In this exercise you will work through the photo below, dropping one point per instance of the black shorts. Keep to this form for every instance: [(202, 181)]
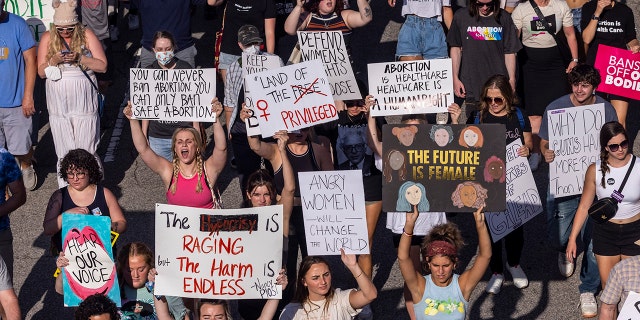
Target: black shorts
[(612, 239)]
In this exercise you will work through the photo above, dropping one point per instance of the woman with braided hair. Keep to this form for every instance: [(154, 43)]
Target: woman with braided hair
[(615, 239)]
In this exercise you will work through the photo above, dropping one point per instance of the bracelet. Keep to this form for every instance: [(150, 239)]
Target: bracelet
[(358, 276), (407, 234)]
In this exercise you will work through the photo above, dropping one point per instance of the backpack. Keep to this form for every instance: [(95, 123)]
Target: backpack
[(476, 118)]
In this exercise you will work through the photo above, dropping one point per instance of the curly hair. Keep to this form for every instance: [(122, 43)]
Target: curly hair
[(302, 292), (80, 159), (95, 305), (481, 194), (500, 82), (487, 169), (176, 160), (448, 232), (436, 127), (312, 6), (132, 249), (77, 43), (608, 131), (260, 178), (584, 73)]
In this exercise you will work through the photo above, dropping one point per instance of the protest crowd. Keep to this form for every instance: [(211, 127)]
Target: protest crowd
[(478, 97)]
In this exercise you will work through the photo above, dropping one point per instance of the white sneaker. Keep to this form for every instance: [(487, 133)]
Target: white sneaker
[(588, 305), (29, 178), (565, 266), (495, 283), (519, 278), (534, 161)]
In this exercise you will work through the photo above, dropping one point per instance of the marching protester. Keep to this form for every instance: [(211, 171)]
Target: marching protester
[(622, 280), (97, 306)]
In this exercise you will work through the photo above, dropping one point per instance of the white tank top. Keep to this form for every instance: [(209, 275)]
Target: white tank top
[(630, 205)]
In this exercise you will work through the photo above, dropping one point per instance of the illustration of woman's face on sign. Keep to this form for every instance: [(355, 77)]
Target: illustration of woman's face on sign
[(441, 137), (470, 137), (396, 160), (413, 195), (468, 195)]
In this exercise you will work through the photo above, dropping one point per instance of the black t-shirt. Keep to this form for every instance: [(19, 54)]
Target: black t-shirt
[(514, 129), (615, 27), (239, 13)]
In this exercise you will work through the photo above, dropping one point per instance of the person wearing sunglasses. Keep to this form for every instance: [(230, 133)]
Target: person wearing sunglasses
[(584, 80), (498, 105), (68, 57), (489, 40), (615, 239)]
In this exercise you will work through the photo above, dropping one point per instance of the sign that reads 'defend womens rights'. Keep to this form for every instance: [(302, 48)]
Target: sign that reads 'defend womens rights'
[(619, 70)]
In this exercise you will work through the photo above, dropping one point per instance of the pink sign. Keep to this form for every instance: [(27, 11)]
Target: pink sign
[(619, 70)]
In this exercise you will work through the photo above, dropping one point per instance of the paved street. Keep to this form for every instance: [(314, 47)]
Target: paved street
[(549, 295)]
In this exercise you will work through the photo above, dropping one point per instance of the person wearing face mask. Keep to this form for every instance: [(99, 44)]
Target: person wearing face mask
[(159, 132), (247, 161)]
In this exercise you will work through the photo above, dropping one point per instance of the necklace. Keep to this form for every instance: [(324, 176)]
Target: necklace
[(186, 176), (355, 117)]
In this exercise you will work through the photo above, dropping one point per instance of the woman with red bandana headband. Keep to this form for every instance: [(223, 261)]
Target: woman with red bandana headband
[(442, 291)]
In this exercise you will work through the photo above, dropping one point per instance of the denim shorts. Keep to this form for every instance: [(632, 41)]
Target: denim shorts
[(226, 60), (422, 37)]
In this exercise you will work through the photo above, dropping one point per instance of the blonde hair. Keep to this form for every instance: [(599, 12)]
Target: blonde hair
[(78, 41), (176, 160)]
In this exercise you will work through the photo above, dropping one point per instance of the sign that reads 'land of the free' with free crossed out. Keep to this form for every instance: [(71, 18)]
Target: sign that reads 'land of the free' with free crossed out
[(218, 254), (252, 63), (173, 94)]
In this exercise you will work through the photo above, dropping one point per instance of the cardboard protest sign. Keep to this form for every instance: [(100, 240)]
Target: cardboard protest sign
[(293, 97), (329, 47), (574, 136), (619, 70), (334, 212), (523, 200), (91, 269), (452, 168), (422, 86), (631, 308), (38, 14), (252, 63), (172, 94), (218, 254)]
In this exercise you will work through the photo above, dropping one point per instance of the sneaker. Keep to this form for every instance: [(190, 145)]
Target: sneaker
[(114, 33), (565, 266), (519, 278), (588, 305), (495, 283), (534, 161), (134, 21), (29, 178)]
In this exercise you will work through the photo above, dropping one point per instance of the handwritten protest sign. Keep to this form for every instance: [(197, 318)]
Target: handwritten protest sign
[(523, 200), (218, 254), (91, 269), (293, 97), (423, 86), (619, 70), (334, 212), (252, 63), (173, 94), (38, 14), (329, 47), (631, 308), (451, 168), (574, 136)]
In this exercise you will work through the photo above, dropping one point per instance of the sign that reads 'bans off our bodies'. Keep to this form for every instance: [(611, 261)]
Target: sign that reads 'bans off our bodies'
[(423, 86), (330, 48), (619, 70), (574, 137), (292, 98), (334, 212), (172, 94), (218, 254), (252, 63), (523, 200)]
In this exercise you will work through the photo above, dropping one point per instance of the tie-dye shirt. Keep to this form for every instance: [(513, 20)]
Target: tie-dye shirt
[(9, 172)]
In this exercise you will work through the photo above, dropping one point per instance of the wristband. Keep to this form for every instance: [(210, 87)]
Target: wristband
[(407, 234), (594, 17), (359, 275)]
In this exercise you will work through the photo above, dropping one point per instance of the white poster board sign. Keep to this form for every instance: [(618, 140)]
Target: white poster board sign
[(172, 94), (421, 86), (574, 136), (334, 212), (252, 63), (38, 14), (292, 97), (631, 308), (523, 199), (329, 47), (218, 254)]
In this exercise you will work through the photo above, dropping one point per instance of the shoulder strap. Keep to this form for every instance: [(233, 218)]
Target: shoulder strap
[(476, 117), (546, 25), (520, 117), (626, 176), (95, 86)]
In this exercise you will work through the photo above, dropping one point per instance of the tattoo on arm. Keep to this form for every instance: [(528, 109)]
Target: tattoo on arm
[(367, 12)]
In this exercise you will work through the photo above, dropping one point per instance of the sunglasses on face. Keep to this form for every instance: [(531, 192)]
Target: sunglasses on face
[(354, 103), (616, 146), (69, 29), (496, 100), (484, 4)]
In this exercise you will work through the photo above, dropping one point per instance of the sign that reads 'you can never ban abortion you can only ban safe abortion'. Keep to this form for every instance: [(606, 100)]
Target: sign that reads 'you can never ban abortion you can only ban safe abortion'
[(172, 94)]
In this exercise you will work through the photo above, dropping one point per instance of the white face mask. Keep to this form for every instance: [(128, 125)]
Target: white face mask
[(164, 57), (252, 49)]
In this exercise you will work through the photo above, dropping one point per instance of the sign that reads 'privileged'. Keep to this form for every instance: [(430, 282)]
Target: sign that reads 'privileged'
[(329, 47), (334, 212), (218, 254), (574, 137), (523, 200), (423, 86), (619, 70), (91, 269), (173, 94), (252, 63), (451, 168), (292, 97)]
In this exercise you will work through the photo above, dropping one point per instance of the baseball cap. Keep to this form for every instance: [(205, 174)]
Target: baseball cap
[(249, 34)]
